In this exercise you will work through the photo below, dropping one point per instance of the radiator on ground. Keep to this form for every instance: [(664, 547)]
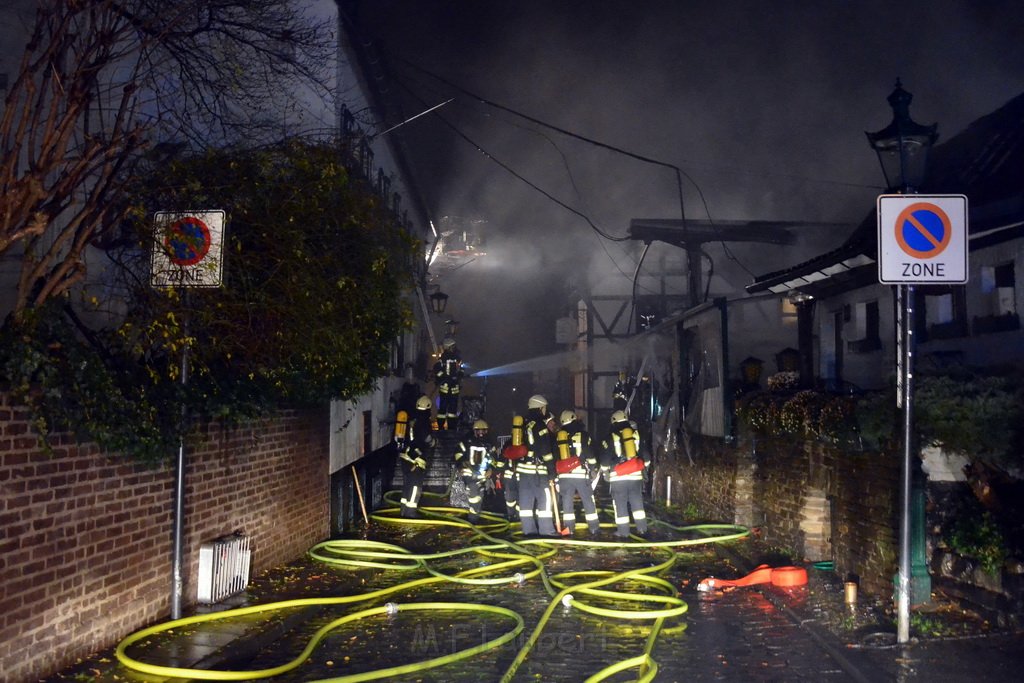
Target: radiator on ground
[(223, 568)]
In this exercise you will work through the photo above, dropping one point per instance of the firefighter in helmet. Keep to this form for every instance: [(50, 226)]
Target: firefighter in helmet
[(536, 471), (624, 465), (507, 479), (415, 447), (475, 457), (576, 464), (448, 378)]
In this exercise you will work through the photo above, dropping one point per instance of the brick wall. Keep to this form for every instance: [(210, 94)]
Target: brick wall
[(86, 538), (809, 498)]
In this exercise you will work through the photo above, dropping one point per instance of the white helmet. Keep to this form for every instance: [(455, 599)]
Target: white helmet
[(537, 401), (423, 403), (619, 416), (566, 417)]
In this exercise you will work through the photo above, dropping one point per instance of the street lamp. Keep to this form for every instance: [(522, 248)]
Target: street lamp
[(902, 149), (438, 301), (451, 327), (903, 145)]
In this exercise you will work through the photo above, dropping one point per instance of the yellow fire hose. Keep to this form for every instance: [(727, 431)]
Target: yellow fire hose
[(640, 595)]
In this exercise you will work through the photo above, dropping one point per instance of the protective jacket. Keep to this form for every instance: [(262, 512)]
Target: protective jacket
[(624, 466), (448, 373), (619, 448), (539, 458), (415, 449), (476, 456), (581, 446)]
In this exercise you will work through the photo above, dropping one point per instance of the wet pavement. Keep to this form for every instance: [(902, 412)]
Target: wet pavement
[(757, 633)]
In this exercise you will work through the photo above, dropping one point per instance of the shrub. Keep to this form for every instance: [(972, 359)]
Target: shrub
[(977, 535)]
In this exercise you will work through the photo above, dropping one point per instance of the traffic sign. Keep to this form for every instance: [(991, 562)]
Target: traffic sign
[(922, 239), (187, 249)]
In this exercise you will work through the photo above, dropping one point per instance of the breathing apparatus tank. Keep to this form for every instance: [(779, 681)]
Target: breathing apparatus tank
[(631, 464), (517, 430), (566, 462), (562, 439), (628, 443), (401, 425), (516, 448)]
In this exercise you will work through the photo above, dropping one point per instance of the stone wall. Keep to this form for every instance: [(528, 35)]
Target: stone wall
[(86, 538), (808, 498)]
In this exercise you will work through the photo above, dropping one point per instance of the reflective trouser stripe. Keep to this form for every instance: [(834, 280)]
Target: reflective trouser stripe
[(620, 519), (414, 498), (569, 487), (474, 495), (412, 487), (535, 495), (628, 495), (511, 493)]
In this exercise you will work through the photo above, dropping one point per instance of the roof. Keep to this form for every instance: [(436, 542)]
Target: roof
[(985, 162)]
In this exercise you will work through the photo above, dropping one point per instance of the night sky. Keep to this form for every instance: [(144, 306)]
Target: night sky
[(763, 105)]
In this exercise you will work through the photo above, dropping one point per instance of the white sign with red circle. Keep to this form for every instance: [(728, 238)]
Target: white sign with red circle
[(922, 239), (187, 249)]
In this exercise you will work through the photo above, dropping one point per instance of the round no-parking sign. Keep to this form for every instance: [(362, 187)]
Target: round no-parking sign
[(187, 249), (922, 239)]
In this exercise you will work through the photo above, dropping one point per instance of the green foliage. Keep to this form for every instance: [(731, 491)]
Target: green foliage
[(964, 411), (807, 414), (85, 385), (315, 273), (977, 535), (314, 278), (975, 414)]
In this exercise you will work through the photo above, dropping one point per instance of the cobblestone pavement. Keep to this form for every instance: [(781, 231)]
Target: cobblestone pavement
[(744, 634)]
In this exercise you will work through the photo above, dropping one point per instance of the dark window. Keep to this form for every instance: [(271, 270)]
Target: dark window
[(865, 328), (999, 305), (367, 431), (944, 312)]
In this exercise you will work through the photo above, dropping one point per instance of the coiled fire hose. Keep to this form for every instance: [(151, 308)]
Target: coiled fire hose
[(639, 594)]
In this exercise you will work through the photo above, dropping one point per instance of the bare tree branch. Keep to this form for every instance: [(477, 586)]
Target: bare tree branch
[(100, 80)]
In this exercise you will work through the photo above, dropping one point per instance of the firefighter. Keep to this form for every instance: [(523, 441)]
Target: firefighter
[(620, 392), (414, 450), (575, 463), (475, 456), (623, 466), (448, 378), (536, 471), (505, 469)]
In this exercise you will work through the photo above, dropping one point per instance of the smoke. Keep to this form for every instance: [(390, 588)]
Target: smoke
[(762, 104)]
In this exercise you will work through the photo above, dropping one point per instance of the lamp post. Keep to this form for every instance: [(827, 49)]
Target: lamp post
[(902, 149)]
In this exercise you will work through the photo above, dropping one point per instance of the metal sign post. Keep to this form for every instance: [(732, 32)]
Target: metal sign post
[(922, 239), (187, 252)]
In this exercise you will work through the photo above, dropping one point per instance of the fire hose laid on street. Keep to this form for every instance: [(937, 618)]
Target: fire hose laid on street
[(639, 595)]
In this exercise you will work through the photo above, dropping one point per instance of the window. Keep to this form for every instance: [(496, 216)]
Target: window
[(864, 328), (367, 431), (999, 300), (945, 312)]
